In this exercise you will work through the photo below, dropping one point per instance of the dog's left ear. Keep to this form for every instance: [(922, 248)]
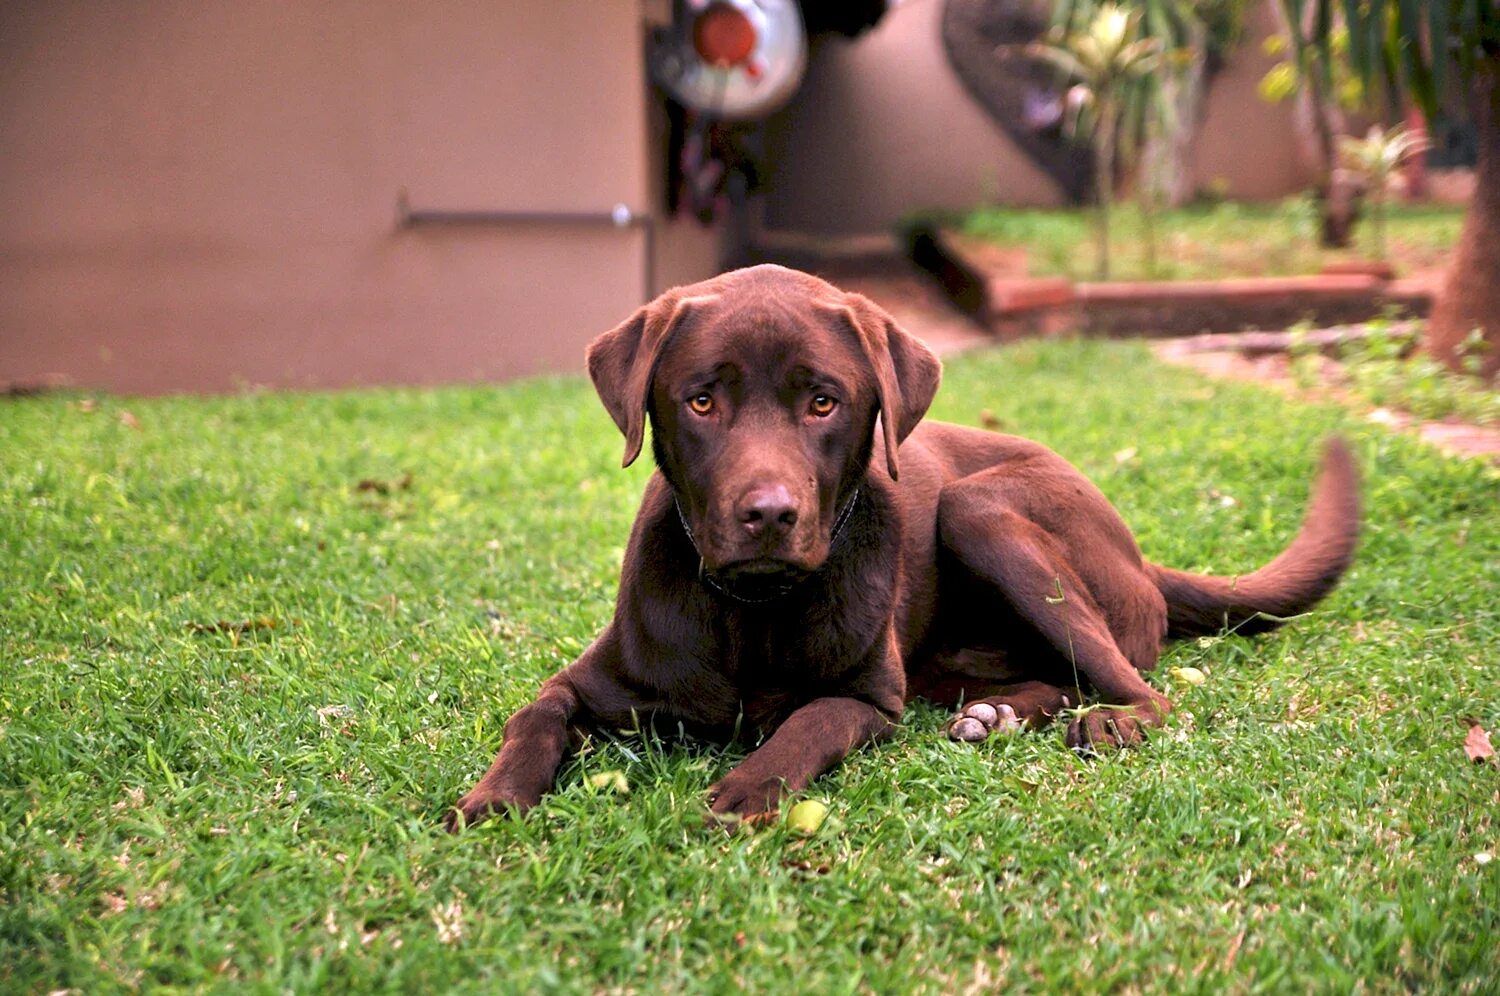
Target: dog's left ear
[(623, 360), (907, 373)]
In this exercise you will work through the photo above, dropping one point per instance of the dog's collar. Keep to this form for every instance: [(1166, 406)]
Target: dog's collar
[(708, 579)]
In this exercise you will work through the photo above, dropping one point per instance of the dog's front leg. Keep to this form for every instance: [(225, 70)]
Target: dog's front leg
[(812, 740), (535, 742)]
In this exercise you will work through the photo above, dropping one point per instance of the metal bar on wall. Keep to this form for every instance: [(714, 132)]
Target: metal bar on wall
[(619, 216)]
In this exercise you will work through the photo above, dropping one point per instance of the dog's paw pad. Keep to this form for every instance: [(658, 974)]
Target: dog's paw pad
[(980, 719), (967, 729), (996, 718), (985, 713)]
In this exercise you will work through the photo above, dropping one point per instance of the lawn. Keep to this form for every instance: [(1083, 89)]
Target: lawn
[(1228, 239), (240, 688)]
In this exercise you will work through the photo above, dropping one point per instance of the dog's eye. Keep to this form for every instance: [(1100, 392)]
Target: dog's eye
[(822, 405), (702, 403)]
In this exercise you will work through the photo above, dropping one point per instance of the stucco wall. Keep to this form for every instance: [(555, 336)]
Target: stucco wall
[(1244, 145), (883, 127), (200, 195)]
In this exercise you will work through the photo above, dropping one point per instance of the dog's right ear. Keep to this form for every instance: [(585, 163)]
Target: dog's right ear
[(622, 363), (907, 373)]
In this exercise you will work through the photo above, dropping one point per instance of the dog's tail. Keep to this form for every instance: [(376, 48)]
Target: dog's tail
[(1308, 569)]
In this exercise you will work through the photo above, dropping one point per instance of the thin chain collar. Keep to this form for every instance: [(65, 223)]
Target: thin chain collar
[(707, 578)]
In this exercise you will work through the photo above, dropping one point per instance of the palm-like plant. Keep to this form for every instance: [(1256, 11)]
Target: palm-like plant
[(1191, 33), (1106, 59), (1375, 160)]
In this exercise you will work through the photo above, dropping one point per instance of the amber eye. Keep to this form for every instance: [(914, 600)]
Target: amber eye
[(701, 404), (822, 406)]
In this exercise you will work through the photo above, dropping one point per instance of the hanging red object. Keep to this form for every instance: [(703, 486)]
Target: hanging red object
[(723, 36), (732, 60)]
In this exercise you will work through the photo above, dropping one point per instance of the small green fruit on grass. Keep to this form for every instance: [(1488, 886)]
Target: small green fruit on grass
[(806, 816), (1189, 675)]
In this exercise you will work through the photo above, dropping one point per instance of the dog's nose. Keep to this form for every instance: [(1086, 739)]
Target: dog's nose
[(767, 511)]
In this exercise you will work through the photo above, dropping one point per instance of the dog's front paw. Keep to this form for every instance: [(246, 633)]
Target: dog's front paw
[(979, 719), (482, 803), (1115, 726), (745, 797)]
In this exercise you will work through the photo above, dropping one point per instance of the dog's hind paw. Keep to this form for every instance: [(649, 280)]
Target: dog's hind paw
[(1098, 727), (979, 719)]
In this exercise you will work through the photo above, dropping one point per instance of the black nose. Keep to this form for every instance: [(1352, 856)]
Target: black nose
[(767, 511)]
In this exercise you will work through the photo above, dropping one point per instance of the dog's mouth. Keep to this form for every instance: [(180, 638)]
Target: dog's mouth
[(761, 579)]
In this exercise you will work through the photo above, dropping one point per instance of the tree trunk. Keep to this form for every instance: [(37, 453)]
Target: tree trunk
[(1470, 297), (1338, 199), (1188, 92), (1338, 202), (1319, 121)]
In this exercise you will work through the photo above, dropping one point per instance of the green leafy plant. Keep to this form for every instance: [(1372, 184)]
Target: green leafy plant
[(1376, 160), (1320, 77), (1386, 368), (1107, 58), (1161, 116), (1305, 357), (1380, 363), (1287, 78)]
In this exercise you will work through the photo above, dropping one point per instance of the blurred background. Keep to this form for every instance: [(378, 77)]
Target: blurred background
[(213, 196)]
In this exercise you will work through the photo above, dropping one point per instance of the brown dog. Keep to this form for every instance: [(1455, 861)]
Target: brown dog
[(781, 575)]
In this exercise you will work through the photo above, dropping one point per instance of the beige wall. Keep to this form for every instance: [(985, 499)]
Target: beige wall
[(202, 195), (1244, 145), (884, 127), (197, 195)]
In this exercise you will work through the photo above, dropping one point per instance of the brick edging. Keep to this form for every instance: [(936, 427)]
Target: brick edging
[(1013, 306)]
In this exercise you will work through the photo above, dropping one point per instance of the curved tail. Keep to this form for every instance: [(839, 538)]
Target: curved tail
[(1308, 569)]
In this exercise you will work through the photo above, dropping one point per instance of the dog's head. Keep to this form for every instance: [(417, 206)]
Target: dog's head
[(764, 388)]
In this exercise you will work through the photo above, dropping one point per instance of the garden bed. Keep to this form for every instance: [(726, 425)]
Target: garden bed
[(1219, 269), (1205, 242), (1012, 306)]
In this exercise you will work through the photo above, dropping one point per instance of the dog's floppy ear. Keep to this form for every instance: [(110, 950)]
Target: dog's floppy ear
[(907, 373), (622, 362)]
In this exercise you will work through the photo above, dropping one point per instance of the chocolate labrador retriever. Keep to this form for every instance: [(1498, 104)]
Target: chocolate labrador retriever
[(785, 575)]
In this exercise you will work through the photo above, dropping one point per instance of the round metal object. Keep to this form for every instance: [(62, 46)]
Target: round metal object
[(733, 59)]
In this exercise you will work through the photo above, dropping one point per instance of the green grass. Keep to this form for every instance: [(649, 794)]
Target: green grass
[(1228, 239), (194, 808)]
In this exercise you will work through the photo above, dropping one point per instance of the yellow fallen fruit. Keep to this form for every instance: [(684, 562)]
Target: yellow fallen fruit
[(1189, 675), (610, 779), (806, 816)]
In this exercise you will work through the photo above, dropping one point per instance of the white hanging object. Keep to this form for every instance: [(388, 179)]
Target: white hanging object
[(733, 59)]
